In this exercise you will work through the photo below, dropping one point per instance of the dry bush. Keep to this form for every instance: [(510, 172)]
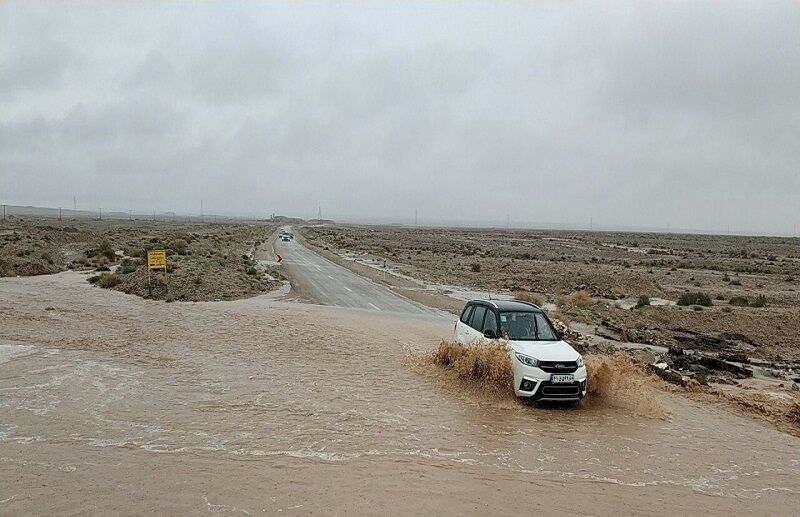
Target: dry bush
[(560, 316), (108, 280), (580, 299), (525, 296)]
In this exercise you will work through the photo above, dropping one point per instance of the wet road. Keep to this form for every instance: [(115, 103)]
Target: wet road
[(326, 283)]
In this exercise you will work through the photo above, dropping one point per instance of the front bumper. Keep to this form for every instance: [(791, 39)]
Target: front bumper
[(535, 383)]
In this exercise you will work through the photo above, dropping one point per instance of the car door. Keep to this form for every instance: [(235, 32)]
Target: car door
[(461, 334), (474, 332)]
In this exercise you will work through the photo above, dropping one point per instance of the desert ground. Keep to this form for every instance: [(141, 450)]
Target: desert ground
[(328, 399)]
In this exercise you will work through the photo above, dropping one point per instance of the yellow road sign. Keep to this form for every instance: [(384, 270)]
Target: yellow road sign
[(157, 259)]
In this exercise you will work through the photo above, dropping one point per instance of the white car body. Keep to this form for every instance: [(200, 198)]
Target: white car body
[(552, 371)]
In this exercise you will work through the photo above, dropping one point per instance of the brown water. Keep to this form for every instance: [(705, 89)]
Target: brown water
[(122, 405)]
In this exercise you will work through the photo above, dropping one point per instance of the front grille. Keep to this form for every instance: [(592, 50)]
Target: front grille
[(558, 366), (552, 391)]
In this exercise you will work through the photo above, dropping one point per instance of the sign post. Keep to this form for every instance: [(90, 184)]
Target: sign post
[(156, 259)]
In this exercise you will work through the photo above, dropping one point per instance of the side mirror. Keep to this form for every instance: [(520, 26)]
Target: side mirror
[(490, 334), (559, 334)]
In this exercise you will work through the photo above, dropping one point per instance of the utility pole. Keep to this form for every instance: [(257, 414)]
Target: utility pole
[(101, 214), (74, 204), (59, 213), (130, 215), (4, 212), (319, 213), (591, 224)]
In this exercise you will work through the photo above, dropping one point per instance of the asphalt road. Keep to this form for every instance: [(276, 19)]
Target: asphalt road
[(326, 283)]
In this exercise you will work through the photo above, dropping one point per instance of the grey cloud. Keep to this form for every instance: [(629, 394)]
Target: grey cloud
[(629, 113)]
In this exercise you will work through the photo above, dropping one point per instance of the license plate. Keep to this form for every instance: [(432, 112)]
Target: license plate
[(561, 379)]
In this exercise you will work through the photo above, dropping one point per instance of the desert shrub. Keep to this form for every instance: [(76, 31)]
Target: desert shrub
[(534, 298), (93, 279), (126, 267), (694, 299), (735, 281), (476, 267), (760, 301), (108, 280), (560, 316), (643, 301), (580, 299), (739, 301), (179, 246), (107, 251), (252, 271)]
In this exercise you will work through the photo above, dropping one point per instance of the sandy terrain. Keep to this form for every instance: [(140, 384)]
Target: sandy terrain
[(614, 270), (116, 404)]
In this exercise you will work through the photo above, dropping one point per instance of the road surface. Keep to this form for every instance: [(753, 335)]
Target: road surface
[(326, 283)]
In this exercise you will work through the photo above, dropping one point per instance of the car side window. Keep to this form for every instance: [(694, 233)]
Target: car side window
[(466, 314), (477, 317), (490, 322)]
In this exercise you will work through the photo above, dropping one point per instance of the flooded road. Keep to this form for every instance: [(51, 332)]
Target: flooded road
[(114, 404)]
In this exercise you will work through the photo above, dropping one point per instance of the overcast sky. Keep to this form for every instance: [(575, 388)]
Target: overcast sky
[(633, 113)]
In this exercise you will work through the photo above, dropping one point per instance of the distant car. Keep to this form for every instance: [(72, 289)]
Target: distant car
[(291, 235), (285, 238), (546, 368)]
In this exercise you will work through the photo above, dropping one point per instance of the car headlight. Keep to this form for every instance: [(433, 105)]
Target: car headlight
[(580, 362), (526, 359)]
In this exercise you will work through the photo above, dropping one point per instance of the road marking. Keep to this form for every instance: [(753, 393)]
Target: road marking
[(374, 306), (347, 288)]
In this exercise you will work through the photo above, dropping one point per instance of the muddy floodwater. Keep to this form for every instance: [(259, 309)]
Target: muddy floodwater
[(113, 404)]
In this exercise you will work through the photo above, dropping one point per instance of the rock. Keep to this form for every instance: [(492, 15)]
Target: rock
[(695, 340), (667, 375), (713, 363), (674, 350), (738, 357), (732, 336)]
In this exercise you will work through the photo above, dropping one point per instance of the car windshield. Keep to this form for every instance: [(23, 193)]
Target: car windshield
[(526, 326)]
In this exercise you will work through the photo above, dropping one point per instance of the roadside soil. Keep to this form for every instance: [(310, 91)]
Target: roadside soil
[(205, 261), (612, 269)]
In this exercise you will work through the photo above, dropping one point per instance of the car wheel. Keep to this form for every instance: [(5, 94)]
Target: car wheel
[(575, 404), (528, 401)]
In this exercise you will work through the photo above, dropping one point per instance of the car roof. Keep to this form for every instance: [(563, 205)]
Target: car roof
[(509, 305)]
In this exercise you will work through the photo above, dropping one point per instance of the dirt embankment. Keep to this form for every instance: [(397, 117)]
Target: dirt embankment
[(205, 261)]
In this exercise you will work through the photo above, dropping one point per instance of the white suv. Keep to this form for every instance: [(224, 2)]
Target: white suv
[(546, 368)]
